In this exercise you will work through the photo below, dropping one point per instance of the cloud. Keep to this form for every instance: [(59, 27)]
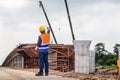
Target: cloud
[(98, 22), (1, 20), (97, 19), (13, 3), (100, 6), (1, 26)]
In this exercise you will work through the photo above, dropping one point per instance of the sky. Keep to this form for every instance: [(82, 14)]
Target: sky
[(95, 20)]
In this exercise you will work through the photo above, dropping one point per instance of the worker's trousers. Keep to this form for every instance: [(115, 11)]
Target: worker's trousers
[(43, 56)]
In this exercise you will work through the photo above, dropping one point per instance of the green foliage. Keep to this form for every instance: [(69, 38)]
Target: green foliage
[(113, 66), (104, 58), (108, 62)]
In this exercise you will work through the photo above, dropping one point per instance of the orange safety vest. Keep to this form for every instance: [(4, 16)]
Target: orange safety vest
[(45, 38), (45, 41)]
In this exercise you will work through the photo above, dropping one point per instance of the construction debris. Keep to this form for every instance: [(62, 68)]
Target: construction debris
[(61, 57), (80, 76)]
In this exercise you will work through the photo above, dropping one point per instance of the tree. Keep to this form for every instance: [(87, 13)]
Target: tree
[(100, 49), (116, 49), (103, 57)]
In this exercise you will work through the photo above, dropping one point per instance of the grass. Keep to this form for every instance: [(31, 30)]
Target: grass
[(113, 66)]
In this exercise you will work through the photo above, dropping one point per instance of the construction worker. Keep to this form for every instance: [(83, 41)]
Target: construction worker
[(43, 50)]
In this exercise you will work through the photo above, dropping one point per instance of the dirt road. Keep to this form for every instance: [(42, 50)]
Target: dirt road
[(13, 74)]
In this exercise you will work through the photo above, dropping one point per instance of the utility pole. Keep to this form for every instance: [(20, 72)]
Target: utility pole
[(69, 20), (41, 5)]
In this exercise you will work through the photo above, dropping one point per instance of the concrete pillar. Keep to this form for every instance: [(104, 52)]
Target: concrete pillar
[(22, 61), (91, 61), (17, 61), (82, 58), (118, 52)]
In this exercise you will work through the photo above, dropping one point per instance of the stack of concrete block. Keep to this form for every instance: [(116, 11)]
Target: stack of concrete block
[(53, 61), (82, 56)]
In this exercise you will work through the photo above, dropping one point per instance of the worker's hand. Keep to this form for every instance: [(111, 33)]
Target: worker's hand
[(36, 48), (48, 28)]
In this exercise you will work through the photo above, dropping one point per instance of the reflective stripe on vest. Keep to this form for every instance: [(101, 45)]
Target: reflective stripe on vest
[(44, 47), (45, 41)]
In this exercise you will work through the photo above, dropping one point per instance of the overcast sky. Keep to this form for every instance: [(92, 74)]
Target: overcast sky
[(95, 20)]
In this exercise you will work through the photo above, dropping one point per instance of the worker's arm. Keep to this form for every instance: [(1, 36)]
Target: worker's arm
[(48, 30), (39, 42)]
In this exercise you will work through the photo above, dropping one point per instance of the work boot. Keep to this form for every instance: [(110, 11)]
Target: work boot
[(39, 74), (46, 74)]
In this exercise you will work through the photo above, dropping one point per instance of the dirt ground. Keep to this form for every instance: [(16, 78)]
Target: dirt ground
[(72, 74)]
